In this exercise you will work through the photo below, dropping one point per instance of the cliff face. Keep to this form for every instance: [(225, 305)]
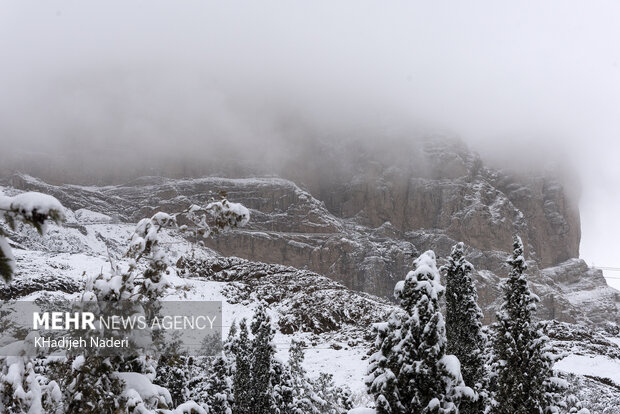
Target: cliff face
[(361, 219), (440, 185)]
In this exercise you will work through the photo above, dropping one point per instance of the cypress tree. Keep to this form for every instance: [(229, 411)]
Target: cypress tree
[(242, 379), (263, 351), (524, 370), (465, 338)]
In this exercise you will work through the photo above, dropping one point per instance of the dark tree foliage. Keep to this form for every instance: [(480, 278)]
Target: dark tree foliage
[(92, 387), (466, 339), (242, 380), (263, 351)]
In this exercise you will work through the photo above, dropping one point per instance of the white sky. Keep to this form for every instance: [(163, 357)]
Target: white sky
[(547, 73)]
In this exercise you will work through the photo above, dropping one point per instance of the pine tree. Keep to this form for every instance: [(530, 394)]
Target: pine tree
[(524, 369), (410, 371), (384, 365), (20, 391), (465, 338)]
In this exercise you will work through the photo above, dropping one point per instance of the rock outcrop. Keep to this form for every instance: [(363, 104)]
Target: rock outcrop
[(360, 218)]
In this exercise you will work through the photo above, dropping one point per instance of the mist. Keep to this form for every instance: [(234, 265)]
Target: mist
[(121, 88)]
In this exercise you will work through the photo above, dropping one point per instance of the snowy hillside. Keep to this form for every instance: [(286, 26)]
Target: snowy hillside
[(332, 321)]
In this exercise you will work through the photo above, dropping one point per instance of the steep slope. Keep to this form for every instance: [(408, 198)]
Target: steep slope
[(368, 247)]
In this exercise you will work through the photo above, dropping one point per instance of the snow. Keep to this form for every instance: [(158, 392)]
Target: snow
[(30, 202), (348, 365), (452, 365), (142, 385), (598, 365), (78, 362), (84, 216), (189, 407), (224, 207), (615, 340), (362, 410)]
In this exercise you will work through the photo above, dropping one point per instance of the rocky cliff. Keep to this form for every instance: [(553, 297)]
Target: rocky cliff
[(359, 216)]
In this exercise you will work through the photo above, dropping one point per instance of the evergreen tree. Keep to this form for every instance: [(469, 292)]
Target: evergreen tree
[(410, 371), (384, 365), (219, 387), (330, 397), (20, 391), (465, 338), (242, 379), (305, 400), (263, 351), (524, 369), (172, 373), (283, 398), (91, 386)]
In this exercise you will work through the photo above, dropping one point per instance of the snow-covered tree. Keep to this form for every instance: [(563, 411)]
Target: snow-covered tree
[(282, 394), (213, 387), (140, 287), (465, 338), (305, 400), (410, 371), (525, 383), (20, 391), (173, 373), (263, 352), (31, 208), (331, 398), (218, 387), (90, 385), (382, 381), (242, 380)]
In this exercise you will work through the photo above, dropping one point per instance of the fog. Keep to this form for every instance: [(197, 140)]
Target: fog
[(94, 88)]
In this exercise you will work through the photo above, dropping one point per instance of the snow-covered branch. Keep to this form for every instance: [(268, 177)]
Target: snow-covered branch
[(31, 208)]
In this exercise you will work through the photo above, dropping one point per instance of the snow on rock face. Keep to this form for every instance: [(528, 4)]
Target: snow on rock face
[(363, 235), (85, 216)]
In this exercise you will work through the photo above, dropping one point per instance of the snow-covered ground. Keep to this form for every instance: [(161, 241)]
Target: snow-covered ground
[(97, 241), (596, 366), (84, 249)]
